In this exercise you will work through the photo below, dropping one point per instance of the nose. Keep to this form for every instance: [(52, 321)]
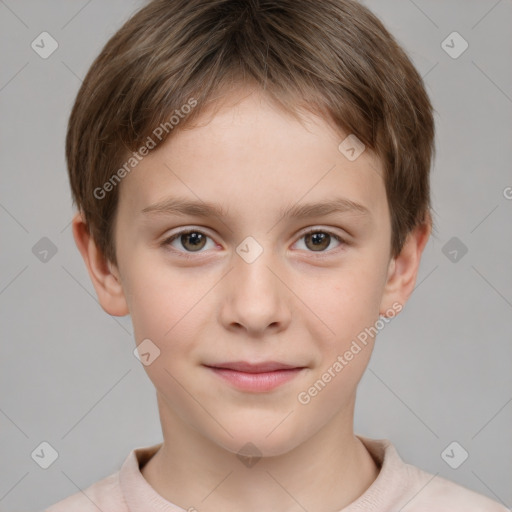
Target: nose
[(255, 297)]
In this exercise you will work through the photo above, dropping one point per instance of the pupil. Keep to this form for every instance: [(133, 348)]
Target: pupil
[(318, 237), (193, 239), (319, 240)]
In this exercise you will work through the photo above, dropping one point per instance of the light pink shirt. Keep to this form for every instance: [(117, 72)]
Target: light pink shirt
[(398, 487)]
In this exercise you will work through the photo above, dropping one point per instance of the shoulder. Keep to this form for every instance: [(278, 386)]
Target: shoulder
[(408, 488), (443, 495), (102, 495)]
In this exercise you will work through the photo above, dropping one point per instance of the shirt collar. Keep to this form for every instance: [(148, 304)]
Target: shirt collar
[(382, 494)]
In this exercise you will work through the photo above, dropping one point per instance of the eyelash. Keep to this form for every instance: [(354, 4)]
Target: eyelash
[(189, 255)]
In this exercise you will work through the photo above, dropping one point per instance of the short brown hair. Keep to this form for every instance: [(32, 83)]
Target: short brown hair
[(332, 57)]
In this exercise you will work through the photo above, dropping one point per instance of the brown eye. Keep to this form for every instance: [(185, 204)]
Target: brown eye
[(187, 241), (319, 241), (193, 241)]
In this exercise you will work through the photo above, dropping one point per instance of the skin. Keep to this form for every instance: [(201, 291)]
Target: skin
[(293, 304)]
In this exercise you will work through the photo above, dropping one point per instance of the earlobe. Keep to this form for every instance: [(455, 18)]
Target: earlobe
[(403, 270), (104, 275)]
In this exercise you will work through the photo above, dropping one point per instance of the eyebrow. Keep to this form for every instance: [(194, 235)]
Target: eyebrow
[(181, 206)]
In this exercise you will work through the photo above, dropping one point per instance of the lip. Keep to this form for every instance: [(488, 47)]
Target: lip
[(263, 367), (255, 377)]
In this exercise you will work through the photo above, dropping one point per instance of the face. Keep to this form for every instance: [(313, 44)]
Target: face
[(263, 279)]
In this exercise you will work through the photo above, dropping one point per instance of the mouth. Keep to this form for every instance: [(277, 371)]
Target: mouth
[(256, 377)]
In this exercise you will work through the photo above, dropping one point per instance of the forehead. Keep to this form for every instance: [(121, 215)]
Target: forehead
[(246, 153)]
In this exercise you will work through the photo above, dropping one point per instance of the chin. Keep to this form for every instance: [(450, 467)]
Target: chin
[(252, 440)]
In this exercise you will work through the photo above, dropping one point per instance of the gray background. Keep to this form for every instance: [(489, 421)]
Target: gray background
[(440, 372)]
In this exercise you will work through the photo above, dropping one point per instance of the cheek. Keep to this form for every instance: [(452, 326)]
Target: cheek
[(162, 299), (338, 305)]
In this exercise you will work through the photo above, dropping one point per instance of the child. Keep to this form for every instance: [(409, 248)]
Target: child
[(252, 180)]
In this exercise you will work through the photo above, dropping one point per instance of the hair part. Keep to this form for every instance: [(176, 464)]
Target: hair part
[(333, 58)]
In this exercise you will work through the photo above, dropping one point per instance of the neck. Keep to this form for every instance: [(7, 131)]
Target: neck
[(327, 472)]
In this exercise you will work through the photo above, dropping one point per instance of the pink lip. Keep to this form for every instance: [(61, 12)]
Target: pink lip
[(259, 377)]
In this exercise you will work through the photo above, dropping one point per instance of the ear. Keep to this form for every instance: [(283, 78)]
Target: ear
[(104, 275), (403, 269)]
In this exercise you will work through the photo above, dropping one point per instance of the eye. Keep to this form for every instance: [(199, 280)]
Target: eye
[(317, 240), (192, 240)]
